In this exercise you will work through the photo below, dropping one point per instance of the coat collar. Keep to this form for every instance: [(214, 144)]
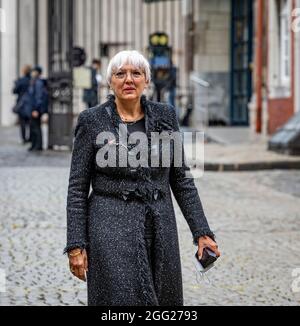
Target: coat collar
[(154, 120), (157, 119), (116, 119)]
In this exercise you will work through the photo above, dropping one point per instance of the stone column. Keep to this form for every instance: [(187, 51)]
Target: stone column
[(43, 35), (297, 61), (8, 62), (27, 32)]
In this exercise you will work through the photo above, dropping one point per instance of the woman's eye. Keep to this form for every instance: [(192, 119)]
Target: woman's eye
[(137, 74), (120, 74)]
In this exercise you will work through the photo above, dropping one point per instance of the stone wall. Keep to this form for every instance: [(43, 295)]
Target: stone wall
[(212, 58)]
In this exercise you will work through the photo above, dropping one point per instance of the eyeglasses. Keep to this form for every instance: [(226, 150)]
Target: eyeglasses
[(134, 74)]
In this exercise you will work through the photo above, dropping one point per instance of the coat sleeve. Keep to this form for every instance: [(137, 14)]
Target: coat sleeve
[(79, 186), (187, 197)]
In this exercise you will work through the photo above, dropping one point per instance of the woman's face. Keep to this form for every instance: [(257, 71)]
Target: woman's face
[(128, 83), (34, 74)]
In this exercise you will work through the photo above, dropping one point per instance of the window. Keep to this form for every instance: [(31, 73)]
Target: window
[(285, 43)]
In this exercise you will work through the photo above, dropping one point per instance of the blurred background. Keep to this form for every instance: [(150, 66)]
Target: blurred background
[(231, 68)]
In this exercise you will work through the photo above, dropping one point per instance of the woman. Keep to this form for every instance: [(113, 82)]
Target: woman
[(21, 89), (123, 236)]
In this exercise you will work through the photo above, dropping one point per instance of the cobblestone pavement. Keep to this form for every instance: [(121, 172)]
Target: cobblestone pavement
[(256, 218)]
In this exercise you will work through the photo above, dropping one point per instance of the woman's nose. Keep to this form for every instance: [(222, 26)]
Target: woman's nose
[(128, 77)]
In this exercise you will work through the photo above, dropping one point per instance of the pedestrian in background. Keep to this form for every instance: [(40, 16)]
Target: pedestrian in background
[(91, 95), (123, 236), (21, 90), (38, 106)]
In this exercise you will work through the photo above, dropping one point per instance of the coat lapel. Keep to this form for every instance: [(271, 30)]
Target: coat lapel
[(115, 119)]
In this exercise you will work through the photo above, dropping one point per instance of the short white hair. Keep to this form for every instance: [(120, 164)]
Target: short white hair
[(134, 58)]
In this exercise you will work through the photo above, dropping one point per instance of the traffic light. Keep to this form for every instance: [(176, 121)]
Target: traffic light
[(159, 39), (160, 58)]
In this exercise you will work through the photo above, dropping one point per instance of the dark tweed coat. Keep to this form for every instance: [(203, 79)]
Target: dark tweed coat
[(109, 222)]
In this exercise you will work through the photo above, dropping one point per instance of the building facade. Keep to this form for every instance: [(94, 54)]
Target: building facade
[(211, 61), (237, 59), (296, 25), (276, 96), (101, 27), (248, 52), (23, 42), (281, 64)]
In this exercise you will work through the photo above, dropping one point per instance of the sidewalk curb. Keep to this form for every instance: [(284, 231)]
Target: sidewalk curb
[(255, 166)]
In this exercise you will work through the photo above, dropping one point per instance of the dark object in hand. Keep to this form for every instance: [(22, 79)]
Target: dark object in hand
[(208, 258)]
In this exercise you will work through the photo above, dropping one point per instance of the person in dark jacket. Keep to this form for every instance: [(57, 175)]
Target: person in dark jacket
[(21, 88), (122, 237), (37, 106), (91, 95)]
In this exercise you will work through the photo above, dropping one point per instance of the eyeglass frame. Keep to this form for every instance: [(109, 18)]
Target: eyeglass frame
[(131, 74)]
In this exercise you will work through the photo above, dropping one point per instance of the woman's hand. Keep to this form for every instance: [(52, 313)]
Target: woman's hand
[(207, 242), (78, 263)]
